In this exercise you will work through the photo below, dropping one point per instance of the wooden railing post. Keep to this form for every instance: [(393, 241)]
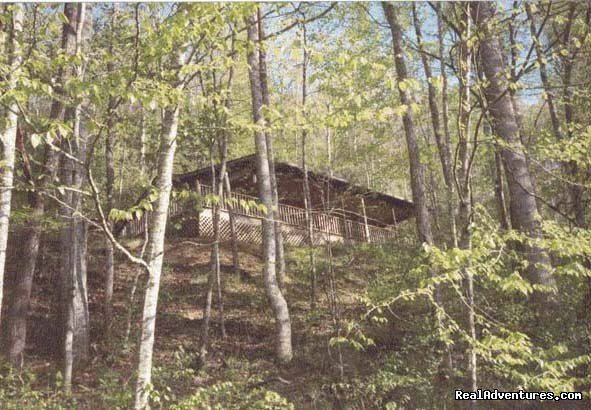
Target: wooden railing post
[(366, 225)]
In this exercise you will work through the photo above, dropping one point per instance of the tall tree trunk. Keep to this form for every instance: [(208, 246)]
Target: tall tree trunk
[(435, 123), (544, 77), (332, 293), (309, 225), (464, 182), (217, 184), (279, 246), (213, 267), (8, 133), (20, 300), (417, 178), (444, 156), (109, 257), (447, 144), (17, 329), (464, 128), (276, 299), (155, 253), (73, 236), (523, 210), (576, 191), (223, 149), (416, 168), (110, 186), (307, 197)]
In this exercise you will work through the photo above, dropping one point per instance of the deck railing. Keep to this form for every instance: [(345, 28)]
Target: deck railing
[(331, 222)]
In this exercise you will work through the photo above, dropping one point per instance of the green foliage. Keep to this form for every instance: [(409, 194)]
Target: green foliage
[(571, 150), (400, 381), (137, 210), (233, 396), (173, 380), (18, 392), (111, 393), (515, 349)]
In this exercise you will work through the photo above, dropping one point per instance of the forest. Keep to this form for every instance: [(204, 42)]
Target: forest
[(295, 205)]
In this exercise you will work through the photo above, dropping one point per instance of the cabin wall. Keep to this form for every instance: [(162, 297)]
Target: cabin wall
[(290, 188)]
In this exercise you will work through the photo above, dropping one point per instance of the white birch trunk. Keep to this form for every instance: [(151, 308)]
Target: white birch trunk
[(283, 324), (155, 254), (8, 139)]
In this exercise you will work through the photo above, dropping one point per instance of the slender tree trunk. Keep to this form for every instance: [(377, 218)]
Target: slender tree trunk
[(74, 232), (214, 266), (464, 128), (110, 186), (155, 253), (139, 271), (307, 198), (217, 185), (121, 171), (544, 77), (332, 293), (416, 168), (74, 242), (8, 134), (276, 299), (214, 274), (433, 104), (576, 191), (143, 141), (309, 225), (234, 239), (279, 246), (443, 147), (207, 310), (220, 193), (447, 145), (500, 192), (524, 213), (20, 301), (464, 184)]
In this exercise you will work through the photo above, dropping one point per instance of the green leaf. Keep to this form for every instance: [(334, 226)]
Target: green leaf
[(36, 140)]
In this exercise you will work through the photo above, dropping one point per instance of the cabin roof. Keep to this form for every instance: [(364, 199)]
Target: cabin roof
[(336, 182)]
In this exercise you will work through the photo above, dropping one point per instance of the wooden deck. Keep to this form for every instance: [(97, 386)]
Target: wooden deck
[(328, 225)]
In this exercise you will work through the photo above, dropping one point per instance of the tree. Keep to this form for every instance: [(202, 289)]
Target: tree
[(417, 178), (279, 248), (440, 128), (522, 201), (306, 184), (282, 321), (73, 236), (155, 250), (110, 186), (8, 127), (184, 48)]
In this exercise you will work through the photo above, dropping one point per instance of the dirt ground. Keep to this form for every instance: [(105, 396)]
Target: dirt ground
[(245, 355)]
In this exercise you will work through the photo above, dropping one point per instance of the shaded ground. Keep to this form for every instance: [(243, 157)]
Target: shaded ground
[(244, 356)]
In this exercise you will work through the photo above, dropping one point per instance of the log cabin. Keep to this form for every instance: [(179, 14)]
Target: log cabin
[(339, 210)]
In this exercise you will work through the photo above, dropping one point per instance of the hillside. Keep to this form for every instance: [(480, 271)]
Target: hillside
[(244, 357)]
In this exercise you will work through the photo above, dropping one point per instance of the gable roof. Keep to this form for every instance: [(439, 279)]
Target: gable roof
[(335, 182)]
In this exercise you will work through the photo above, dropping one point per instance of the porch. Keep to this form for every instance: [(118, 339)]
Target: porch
[(240, 212)]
